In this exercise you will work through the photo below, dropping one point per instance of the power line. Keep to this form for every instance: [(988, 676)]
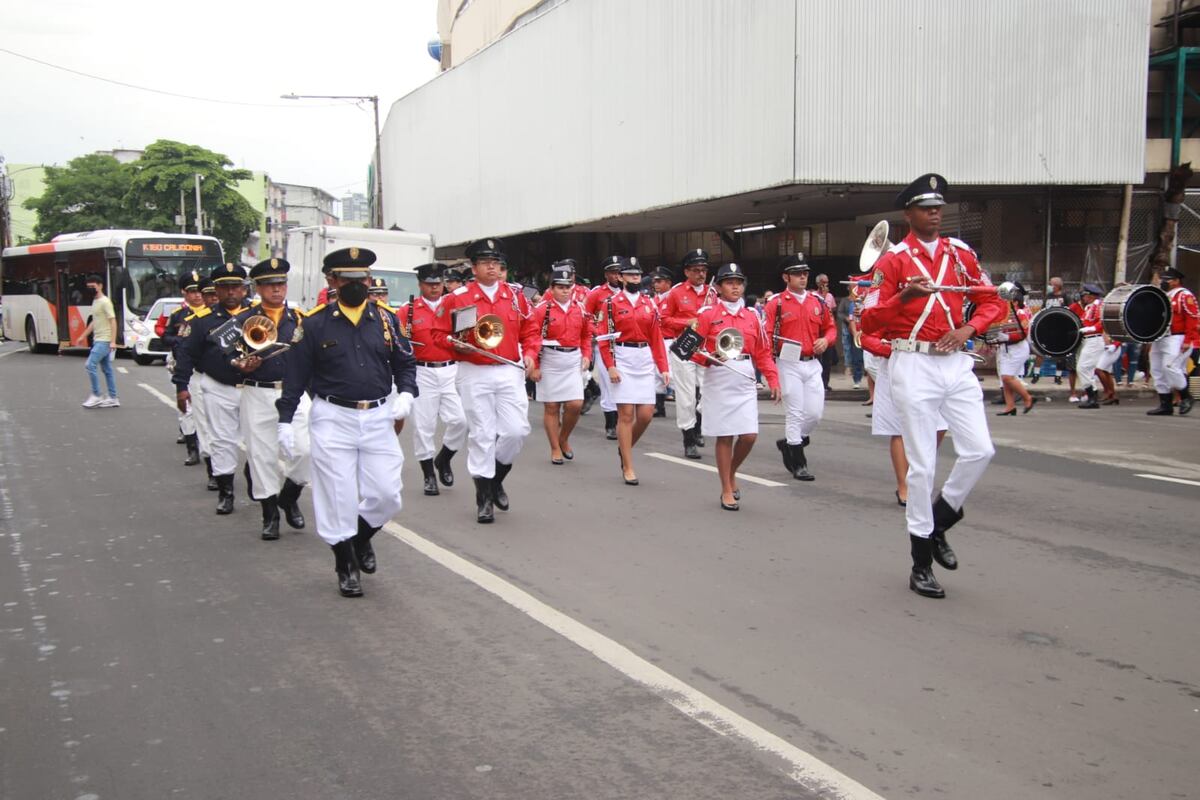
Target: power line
[(159, 91)]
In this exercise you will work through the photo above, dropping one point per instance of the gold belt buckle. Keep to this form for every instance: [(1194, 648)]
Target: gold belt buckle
[(363, 405)]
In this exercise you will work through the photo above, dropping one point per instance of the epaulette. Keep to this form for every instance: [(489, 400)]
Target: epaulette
[(386, 307), (899, 247), (256, 302), (960, 244), (312, 310), (462, 289), (204, 312)]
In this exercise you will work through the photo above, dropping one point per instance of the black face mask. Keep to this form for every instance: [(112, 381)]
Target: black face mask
[(353, 294)]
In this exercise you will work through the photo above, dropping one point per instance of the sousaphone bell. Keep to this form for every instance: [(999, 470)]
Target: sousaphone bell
[(260, 337)]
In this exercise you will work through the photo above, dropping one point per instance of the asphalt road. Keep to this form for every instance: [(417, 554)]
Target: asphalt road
[(151, 649)]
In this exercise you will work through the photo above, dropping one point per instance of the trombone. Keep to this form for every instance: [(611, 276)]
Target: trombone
[(489, 332), (730, 344), (259, 334)]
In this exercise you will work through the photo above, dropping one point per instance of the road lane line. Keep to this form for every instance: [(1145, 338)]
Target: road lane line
[(802, 767), (10, 352), (122, 370), (169, 401), (1168, 480), (695, 465)]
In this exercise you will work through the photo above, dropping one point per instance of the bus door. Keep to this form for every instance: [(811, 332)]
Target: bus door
[(62, 298)]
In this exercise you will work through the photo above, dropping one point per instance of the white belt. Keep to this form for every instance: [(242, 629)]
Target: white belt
[(908, 346)]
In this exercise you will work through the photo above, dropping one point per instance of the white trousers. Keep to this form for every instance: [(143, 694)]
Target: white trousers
[(222, 410), (922, 386), (438, 399), (606, 399), (686, 377), (803, 397), (1087, 361), (1167, 362), (659, 386), (356, 466), (260, 422), (198, 414), (497, 410), (871, 363)]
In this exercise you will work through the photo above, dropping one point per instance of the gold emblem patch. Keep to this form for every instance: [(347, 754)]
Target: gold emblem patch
[(354, 253), (274, 263), (932, 183), (229, 267)]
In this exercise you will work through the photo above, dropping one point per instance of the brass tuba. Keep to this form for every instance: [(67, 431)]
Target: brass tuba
[(260, 338), (876, 245), (730, 344), (489, 331)]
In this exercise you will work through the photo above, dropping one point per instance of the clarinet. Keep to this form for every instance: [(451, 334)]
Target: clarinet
[(408, 330)]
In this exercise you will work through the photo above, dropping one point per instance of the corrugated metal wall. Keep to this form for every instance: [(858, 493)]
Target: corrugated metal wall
[(603, 108)]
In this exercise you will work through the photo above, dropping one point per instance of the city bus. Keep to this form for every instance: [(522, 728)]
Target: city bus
[(47, 305)]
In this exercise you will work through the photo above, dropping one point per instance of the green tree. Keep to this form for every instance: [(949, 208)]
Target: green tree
[(87, 194), (166, 167)]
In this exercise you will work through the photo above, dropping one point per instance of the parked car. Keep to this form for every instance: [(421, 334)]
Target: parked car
[(149, 345)]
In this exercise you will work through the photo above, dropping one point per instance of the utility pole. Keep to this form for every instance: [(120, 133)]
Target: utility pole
[(199, 178), (182, 211)]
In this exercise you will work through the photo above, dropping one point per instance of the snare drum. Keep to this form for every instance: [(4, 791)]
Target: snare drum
[(1054, 332), (1136, 313)]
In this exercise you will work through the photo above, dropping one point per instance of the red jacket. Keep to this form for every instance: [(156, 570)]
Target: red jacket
[(594, 303), (638, 324), (570, 328), (884, 313), (1185, 315), (715, 318), (1091, 319), (876, 346), (802, 321), (682, 305), (1015, 336), (513, 310), (428, 328)]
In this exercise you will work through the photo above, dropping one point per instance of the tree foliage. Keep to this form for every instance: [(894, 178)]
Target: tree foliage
[(97, 191)]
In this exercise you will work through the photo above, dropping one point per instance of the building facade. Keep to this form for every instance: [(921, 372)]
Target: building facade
[(306, 205), (356, 210)]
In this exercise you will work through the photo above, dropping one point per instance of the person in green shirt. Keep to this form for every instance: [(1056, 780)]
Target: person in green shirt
[(103, 328)]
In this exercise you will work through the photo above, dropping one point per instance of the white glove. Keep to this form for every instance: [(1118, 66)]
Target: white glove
[(287, 439), (403, 405)]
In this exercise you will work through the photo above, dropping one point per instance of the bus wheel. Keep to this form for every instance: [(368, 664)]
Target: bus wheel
[(31, 339)]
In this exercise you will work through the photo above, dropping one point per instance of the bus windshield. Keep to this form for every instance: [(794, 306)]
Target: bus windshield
[(153, 268)]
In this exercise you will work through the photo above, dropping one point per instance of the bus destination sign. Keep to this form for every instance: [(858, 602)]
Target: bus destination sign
[(166, 248)]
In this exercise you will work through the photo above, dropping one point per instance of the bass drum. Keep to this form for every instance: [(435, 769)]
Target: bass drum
[(1136, 313), (1054, 332)]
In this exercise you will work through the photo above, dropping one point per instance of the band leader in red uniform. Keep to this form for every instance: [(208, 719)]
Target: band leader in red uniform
[(730, 387), (930, 369), (565, 355), (632, 358)]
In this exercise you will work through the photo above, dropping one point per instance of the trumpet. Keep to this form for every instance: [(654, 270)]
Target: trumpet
[(730, 344), (489, 332), (260, 338)]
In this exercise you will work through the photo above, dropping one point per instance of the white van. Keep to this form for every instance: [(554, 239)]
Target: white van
[(398, 254)]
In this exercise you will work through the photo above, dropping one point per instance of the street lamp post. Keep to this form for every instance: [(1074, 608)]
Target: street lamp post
[(378, 157)]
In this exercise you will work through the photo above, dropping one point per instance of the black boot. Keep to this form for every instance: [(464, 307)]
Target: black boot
[(1164, 407), (289, 501), (182, 439), (364, 551), (441, 463), (1091, 399), (349, 581), (499, 497), (921, 580), (610, 425), (484, 512), (212, 479), (193, 450), (430, 479), (225, 494), (696, 434), (660, 405), (800, 463), (249, 483), (786, 452), (270, 509), (944, 518), (689, 444), (1185, 401)]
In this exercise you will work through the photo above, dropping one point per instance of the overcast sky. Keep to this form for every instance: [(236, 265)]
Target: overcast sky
[(245, 51)]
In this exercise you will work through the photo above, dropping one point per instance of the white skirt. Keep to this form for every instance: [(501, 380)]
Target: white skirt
[(885, 420), (730, 401), (871, 363), (1112, 353), (1011, 358), (636, 367), (562, 377)]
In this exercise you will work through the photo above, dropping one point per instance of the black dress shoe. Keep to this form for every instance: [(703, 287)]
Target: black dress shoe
[(800, 463), (212, 479), (364, 551), (944, 518), (346, 565), (430, 482), (193, 450), (558, 462), (441, 463), (270, 512), (224, 494), (499, 496), (921, 581), (568, 454), (289, 503), (1032, 402), (729, 506), (1165, 408), (737, 494), (1012, 412), (1037, 376), (689, 444), (786, 452), (1185, 402), (484, 511)]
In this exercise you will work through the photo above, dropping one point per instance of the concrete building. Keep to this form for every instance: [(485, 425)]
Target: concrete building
[(767, 126), (306, 205), (356, 210)]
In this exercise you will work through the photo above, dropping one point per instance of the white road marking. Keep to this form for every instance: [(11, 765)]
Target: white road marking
[(122, 370), (804, 768), (168, 400), (10, 352), (696, 465), (1168, 480)]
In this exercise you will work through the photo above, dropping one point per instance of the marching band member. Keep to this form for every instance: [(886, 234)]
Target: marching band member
[(193, 301), (929, 370), (594, 306), (1014, 352), (219, 378), (348, 356), (631, 359), (660, 284), (802, 328), (1093, 344), (1169, 354), (273, 485), (565, 356), (203, 435), (683, 304), (493, 393), (426, 323), (730, 390)]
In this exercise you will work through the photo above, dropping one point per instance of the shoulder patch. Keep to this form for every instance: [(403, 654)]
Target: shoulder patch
[(312, 310), (461, 290), (960, 244), (204, 312), (899, 247)]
